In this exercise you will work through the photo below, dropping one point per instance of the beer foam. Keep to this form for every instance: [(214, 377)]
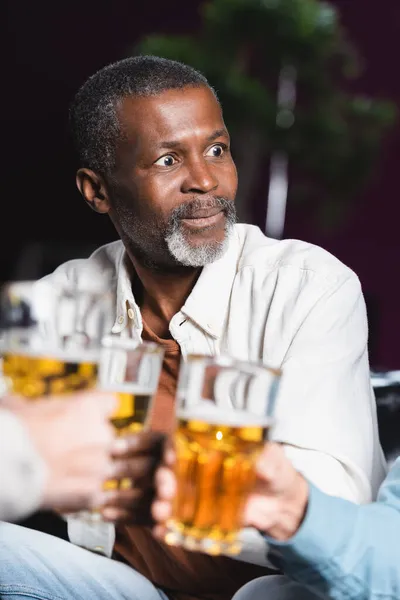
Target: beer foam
[(68, 356), (208, 412)]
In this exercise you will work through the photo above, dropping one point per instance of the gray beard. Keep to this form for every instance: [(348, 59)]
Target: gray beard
[(199, 256), (151, 245), (179, 245)]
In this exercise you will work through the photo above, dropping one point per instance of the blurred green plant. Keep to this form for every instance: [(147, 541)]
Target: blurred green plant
[(330, 135)]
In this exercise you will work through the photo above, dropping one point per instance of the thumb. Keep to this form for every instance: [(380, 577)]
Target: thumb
[(105, 402), (263, 461), (271, 464), (109, 402)]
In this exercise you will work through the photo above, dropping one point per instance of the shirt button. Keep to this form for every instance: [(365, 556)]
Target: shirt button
[(131, 314), (120, 320)]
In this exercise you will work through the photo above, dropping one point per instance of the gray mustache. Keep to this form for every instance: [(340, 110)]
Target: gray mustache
[(187, 210)]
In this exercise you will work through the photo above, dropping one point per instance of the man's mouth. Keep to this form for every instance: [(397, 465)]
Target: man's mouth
[(206, 217)]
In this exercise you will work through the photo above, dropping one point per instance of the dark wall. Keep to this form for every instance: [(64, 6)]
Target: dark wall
[(369, 241), (50, 51)]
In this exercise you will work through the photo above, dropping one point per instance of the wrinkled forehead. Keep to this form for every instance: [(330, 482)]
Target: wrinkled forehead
[(176, 115)]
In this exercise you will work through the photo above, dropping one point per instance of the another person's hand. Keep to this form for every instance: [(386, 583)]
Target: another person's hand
[(73, 437), (136, 458), (279, 501), (276, 506)]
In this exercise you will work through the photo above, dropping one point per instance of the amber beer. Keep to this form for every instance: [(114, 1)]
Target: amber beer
[(130, 416), (132, 410), (33, 376), (215, 473)]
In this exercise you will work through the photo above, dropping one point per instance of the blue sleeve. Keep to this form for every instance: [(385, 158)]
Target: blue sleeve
[(346, 551)]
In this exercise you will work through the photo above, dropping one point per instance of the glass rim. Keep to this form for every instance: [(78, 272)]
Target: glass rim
[(56, 286), (225, 360), (21, 285), (110, 341)]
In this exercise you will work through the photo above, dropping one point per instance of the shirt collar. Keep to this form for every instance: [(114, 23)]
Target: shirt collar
[(208, 302)]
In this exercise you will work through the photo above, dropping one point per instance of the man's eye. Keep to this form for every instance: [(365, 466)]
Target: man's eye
[(216, 151), (166, 161)]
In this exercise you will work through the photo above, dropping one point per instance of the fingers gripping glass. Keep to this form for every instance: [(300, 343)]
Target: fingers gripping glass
[(132, 372)]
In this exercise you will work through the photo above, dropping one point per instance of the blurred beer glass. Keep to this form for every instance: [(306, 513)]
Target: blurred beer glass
[(132, 371), (224, 415), (51, 337)]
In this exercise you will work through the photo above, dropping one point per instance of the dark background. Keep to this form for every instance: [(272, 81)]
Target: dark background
[(50, 50)]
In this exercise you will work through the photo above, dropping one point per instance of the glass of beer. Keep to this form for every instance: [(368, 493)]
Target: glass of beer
[(224, 415), (51, 337), (131, 370)]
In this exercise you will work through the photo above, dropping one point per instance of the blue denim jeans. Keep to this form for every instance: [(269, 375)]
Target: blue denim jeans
[(34, 565), (43, 567), (274, 587)]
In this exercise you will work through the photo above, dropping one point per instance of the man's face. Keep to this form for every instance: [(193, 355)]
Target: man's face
[(172, 191)]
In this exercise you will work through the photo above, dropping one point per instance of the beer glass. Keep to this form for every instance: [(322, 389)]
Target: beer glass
[(131, 370), (51, 337), (224, 415)]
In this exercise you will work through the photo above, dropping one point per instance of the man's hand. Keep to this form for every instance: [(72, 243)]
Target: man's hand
[(136, 458), (276, 507), (73, 436), (165, 488)]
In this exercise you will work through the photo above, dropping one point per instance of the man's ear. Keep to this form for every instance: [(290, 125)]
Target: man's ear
[(93, 189)]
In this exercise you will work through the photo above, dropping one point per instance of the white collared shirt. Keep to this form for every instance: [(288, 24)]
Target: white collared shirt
[(291, 305)]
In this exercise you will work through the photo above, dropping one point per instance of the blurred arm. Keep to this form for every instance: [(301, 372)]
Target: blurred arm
[(342, 550), (71, 435), (22, 472)]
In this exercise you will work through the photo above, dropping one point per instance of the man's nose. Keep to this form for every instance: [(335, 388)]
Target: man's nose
[(200, 177)]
